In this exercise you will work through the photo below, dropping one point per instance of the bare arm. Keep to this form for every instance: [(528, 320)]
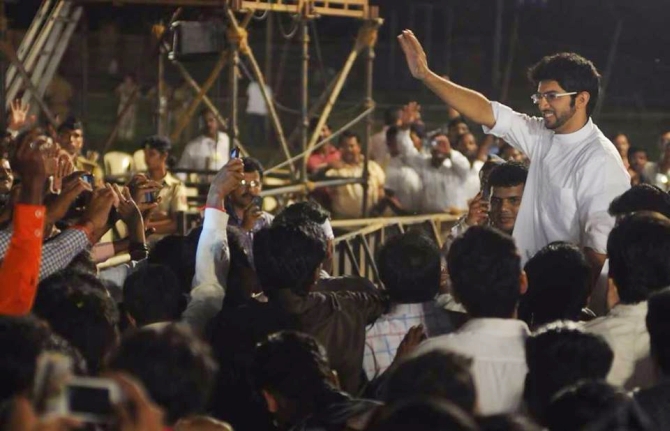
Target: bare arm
[(470, 103)]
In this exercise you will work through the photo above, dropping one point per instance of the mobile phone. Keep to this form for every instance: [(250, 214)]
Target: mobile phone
[(90, 399), (89, 178), (486, 194), (150, 197), (257, 201), (235, 152)]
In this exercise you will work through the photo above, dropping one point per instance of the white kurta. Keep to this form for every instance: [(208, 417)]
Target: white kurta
[(204, 153), (405, 184), (572, 180)]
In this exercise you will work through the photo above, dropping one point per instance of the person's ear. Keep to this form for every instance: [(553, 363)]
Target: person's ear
[(582, 99), (271, 401), (523, 283)]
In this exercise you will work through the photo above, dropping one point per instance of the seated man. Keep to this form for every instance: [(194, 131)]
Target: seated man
[(71, 139), (486, 277), (347, 200)]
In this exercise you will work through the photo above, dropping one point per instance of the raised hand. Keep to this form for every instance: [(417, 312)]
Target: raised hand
[(19, 114), (478, 211), (97, 211), (414, 54), (73, 186), (225, 181), (29, 163)]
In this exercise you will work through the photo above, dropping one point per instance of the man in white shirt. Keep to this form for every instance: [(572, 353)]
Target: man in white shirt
[(209, 151), (378, 150), (257, 114), (467, 145), (402, 182), (575, 170), (486, 277), (638, 250)]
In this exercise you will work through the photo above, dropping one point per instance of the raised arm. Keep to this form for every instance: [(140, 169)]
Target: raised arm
[(470, 103)]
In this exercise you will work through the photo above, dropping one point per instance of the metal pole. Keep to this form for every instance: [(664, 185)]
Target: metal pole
[(304, 91), (369, 103)]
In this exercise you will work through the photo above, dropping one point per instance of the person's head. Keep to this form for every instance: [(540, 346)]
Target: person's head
[(291, 371), (507, 422), (152, 294), (71, 136), (558, 355), (417, 133), (392, 141), (325, 131), (658, 326), (289, 256), (440, 147), (511, 154), (663, 141), (251, 185), (242, 279), (178, 253), (409, 266), (485, 271), (157, 152), (210, 124), (79, 308), (350, 148), (392, 116), (643, 197), (594, 406), (467, 145), (559, 283), (6, 176), (622, 144), (491, 163), (424, 414), (638, 248), (563, 73), (173, 364), (637, 158), (507, 182), (456, 128), (436, 374)]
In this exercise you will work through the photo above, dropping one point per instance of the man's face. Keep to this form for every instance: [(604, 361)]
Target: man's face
[(622, 145), (245, 194), (458, 130), (211, 123), (467, 145), (440, 148), (6, 177), (505, 204), (350, 151), (325, 132), (153, 158), (638, 160), (72, 141), (559, 112)]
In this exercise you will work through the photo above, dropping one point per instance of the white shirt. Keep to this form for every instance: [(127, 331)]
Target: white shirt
[(572, 180), (256, 103), (204, 153), (379, 151), (472, 184), (625, 331), (405, 184), (497, 347)]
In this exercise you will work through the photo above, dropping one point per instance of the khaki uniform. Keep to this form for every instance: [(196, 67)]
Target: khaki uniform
[(81, 163)]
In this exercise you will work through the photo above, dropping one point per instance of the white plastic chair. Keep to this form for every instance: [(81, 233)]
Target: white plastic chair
[(118, 163), (138, 158)]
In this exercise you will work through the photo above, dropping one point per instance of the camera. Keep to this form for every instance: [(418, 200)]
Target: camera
[(89, 399)]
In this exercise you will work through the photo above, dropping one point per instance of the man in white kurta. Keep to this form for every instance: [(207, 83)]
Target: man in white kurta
[(209, 151)]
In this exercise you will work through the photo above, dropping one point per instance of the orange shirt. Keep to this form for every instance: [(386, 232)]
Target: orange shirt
[(19, 272)]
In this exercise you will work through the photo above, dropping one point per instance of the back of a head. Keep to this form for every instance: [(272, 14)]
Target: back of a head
[(638, 248), (409, 266), (69, 124), (642, 197), (503, 422), (79, 308), (178, 253), (288, 256), (424, 415), (658, 326), (559, 355), (508, 174), (572, 72), (152, 294), (485, 271), (436, 374), (594, 406), (391, 116), (176, 368), (301, 211), (559, 284)]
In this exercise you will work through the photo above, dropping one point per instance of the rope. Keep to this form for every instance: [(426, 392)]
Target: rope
[(238, 36)]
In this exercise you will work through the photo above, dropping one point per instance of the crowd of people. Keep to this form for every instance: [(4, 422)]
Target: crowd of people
[(546, 307)]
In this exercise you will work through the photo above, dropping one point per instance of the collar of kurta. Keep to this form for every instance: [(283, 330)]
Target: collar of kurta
[(496, 326), (575, 137)]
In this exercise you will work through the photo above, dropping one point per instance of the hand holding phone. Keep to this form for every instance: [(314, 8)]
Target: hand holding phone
[(90, 399), (235, 152)]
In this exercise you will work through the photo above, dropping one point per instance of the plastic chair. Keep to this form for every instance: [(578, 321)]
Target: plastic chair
[(138, 158), (118, 163)]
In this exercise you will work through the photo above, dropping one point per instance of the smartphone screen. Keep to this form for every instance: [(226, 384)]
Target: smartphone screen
[(89, 178), (486, 194), (150, 197), (235, 152), (90, 403)]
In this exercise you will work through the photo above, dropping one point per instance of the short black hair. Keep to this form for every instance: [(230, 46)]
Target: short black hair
[(638, 248), (391, 115), (287, 256), (69, 124), (410, 267), (159, 143), (178, 253), (455, 122), (507, 422), (485, 269), (79, 308), (423, 414), (173, 364), (596, 406), (572, 72), (558, 355), (349, 134), (436, 374), (632, 150), (152, 294), (642, 197), (508, 174), (658, 326), (391, 133), (559, 284), (253, 165), (305, 210)]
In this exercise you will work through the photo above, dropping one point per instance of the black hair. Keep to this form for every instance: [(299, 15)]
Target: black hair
[(175, 366), (508, 174), (455, 122), (559, 284), (252, 165), (425, 414), (391, 115), (391, 133), (84, 263), (436, 374), (642, 197), (287, 256), (595, 406), (69, 124), (572, 72), (152, 294), (348, 134), (632, 150), (658, 326), (617, 134), (79, 308), (236, 292), (485, 269), (159, 143), (638, 248), (178, 253), (410, 267), (22, 340), (305, 210), (507, 422), (558, 355), (313, 122)]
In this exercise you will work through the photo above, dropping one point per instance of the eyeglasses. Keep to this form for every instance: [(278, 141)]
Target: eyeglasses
[(251, 184), (549, 96)]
